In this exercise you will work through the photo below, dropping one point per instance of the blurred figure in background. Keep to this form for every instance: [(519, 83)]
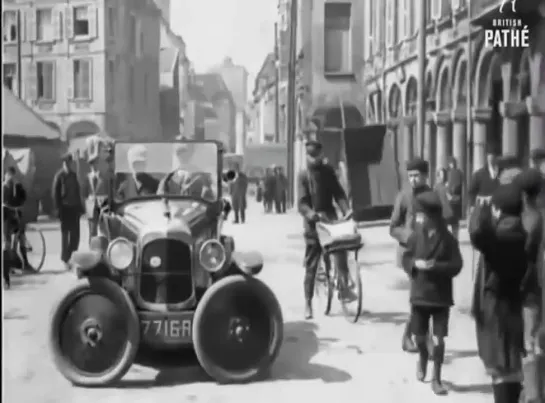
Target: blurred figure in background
[(95, 191), (281, 187), (239, 190), (269, 189), (454, 193)]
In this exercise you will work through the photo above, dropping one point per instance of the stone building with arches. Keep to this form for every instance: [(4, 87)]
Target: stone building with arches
[(505, 107)]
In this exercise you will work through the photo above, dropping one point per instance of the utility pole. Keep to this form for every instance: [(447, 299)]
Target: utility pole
[(421, 81), (276, 85), (291, 101)]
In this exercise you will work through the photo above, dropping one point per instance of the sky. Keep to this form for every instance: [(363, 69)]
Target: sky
[(215, 29)]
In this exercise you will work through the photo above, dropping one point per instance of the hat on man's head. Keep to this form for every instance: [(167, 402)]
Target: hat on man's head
[(508, 198), (137, 153), (67, 157), (429, 202), (537, 154), (418, 164), (530, 181), (313, 147)]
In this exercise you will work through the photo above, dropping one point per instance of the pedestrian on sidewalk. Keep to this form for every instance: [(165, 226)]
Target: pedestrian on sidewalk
[(531, 183), (497, 232), (402, 220), (239, 189), (432, 259), (269, 189), (455, 186), (95, 191), (319, 189), (281, 186), (69, 207)]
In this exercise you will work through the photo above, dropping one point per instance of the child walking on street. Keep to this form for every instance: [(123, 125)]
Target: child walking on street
[(432, 259)]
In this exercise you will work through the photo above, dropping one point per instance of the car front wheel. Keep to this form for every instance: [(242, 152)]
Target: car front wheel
[(94, 333)]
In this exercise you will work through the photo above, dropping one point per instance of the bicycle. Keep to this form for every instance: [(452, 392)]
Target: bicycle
[(339, 236), (34, 243)]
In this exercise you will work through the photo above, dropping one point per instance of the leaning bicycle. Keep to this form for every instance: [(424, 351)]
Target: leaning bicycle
[(31, 241), (339, 237)]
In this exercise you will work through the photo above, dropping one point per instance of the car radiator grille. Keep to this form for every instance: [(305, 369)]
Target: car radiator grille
[(171, 282)]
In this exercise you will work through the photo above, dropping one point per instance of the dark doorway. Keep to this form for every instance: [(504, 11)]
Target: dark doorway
[(494, 135), (372, 172)]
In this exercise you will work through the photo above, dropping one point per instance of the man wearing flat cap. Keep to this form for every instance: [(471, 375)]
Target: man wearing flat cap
[(95, 192), (319, 189), (69, 207), (485, 180), (138, 183), (401, 222), (187, 179)]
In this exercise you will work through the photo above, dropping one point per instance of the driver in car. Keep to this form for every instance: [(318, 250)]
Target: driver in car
[(138, 183), (186, 179)]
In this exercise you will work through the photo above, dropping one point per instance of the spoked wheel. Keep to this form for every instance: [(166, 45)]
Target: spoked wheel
[(350, 292), (324, 287), (94, 333), (237, 330), (34, 245)]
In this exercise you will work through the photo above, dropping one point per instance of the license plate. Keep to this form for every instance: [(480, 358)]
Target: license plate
[(167, 329)]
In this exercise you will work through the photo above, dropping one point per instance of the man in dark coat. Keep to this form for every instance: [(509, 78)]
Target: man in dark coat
[(281, 186), (531, 183), (455, 187), (485, 180), (14, 197), (498, 233), (319, 188), (95, 191), (239, 190), (138, 182), (69, 207), (269, 186), (401, 222)]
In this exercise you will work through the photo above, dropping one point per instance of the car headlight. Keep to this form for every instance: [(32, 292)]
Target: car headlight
[(212, 255), (120, 253)]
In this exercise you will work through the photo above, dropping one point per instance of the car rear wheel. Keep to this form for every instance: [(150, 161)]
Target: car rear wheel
[(237, 329), (94, 333)]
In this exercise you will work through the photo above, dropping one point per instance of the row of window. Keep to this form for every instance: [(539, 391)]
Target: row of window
[(41, 80), (388, 23), (49, 24)]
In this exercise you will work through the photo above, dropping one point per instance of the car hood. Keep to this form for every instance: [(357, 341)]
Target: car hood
[(149, 216)]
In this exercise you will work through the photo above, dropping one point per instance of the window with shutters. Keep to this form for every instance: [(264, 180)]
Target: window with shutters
[(10, 26), (337, 38), (45, 80), (10, 75), (81, 21), (112, 20), (45, 29), (82, 79)]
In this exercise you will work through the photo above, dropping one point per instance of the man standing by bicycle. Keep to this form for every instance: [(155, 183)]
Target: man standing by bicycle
[(14, 198), (319, 188)]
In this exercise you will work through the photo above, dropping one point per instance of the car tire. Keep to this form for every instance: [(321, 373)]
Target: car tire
[(214, 297), (118, 296)]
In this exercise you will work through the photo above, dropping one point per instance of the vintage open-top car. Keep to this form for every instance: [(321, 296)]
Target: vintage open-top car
[(160, 275)]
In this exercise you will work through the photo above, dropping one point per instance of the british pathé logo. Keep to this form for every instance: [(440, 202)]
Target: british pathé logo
[(507, 32)]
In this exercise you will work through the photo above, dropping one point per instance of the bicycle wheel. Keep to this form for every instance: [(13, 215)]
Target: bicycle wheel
[(34, 244), (323, 287), (352, 307)]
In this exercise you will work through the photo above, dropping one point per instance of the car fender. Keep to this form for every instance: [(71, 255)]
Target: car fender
[(249, 263), (85, 262)]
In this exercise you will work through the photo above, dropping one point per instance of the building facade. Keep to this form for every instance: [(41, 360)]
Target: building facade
[(86, 67), (264, 104), (330, 94), (477, 95), (236, 80)]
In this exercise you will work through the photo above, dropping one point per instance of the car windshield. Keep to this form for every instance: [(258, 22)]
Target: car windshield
[(174, 169)]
